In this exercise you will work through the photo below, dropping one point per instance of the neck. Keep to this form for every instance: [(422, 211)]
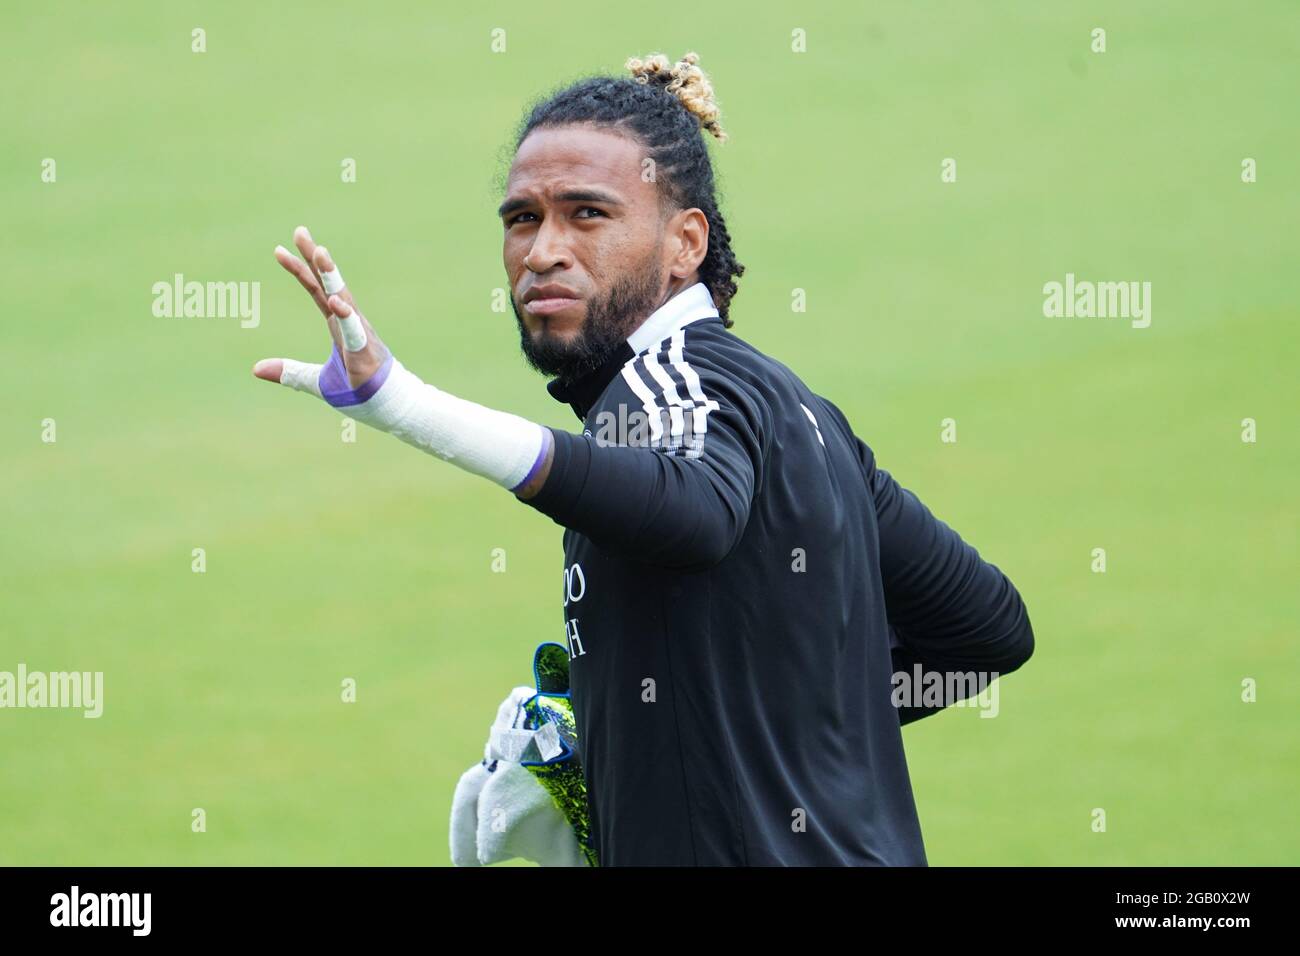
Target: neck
[(676, 285)]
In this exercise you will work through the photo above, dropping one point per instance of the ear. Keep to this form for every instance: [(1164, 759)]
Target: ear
[(688, 242)]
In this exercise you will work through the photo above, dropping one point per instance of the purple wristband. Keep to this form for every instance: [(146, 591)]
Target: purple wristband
[(334, 387)]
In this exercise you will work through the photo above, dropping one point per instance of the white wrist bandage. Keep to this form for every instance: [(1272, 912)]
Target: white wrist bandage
[(497, 445)]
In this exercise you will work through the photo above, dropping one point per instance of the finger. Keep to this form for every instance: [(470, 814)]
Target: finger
[(331, 278), (269, 370), (306, 278), (307, 246), (373, 342), (300, 376), (350, 324)]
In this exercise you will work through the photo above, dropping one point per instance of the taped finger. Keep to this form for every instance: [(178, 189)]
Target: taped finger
[(333, 281), (301, 376), (349, 319)]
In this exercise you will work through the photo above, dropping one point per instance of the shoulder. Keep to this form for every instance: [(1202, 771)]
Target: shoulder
[(783, 400), (680, 386)]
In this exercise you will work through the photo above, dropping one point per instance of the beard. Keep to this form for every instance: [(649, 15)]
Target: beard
[(609, 321)]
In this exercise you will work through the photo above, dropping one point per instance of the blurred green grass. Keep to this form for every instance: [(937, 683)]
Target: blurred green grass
[(328, 560)]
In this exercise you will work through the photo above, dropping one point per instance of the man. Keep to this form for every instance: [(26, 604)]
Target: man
[(741, 579)]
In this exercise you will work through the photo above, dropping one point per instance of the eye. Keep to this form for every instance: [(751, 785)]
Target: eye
[(599, 212), (515, 218)]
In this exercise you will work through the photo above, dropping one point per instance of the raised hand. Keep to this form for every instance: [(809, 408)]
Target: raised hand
[(358, 351)]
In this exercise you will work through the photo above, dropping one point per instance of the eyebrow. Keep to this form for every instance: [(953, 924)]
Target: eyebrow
[(569, 195)]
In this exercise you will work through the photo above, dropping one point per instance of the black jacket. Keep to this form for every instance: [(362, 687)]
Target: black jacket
[(741, 581)]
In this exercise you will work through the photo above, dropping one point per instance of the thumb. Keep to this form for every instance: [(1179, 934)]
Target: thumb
[(300, 376)]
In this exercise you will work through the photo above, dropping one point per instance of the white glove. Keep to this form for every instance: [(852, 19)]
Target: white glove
[(500, 811)]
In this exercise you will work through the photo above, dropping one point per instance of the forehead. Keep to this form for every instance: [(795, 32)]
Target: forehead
[(556, 157)]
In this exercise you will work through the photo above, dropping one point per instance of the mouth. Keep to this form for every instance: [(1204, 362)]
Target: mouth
[(549, 305), (549, 298)]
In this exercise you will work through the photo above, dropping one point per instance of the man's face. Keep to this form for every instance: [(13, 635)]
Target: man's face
[(590, 227)]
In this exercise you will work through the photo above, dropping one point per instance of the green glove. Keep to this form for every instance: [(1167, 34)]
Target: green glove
[(561, 775)]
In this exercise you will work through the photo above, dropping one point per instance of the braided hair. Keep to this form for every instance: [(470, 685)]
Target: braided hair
[(665, 105)]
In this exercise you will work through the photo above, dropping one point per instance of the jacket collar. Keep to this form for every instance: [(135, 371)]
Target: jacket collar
[(687, 306)]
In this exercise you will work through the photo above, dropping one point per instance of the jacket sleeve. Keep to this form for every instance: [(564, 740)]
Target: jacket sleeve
[(949, 610), (684, 508)]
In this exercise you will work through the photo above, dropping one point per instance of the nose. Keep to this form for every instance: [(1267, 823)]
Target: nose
[(549, 249)]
